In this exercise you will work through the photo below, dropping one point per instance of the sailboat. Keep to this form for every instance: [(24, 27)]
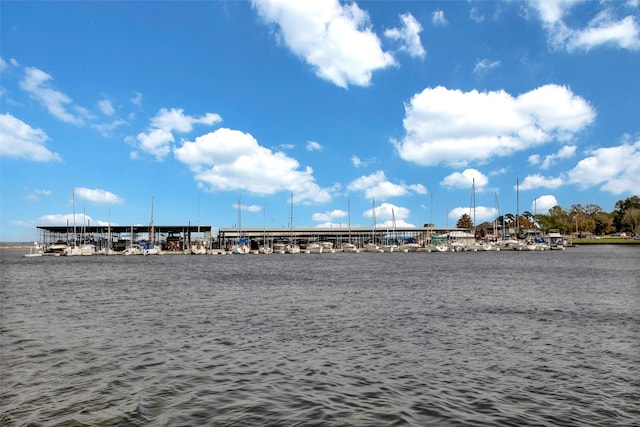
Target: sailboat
[(75, 249), (348, 246), (372, 246), (36, 250), (132, 249), (264, 248), (392, 245), (106, 249), (241, 246), (150, 248), (292, 248)]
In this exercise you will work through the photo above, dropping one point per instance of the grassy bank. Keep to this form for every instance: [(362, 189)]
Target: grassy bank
[(607, 241)]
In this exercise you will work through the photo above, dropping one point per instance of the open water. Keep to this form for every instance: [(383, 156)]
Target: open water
[(446, 339)]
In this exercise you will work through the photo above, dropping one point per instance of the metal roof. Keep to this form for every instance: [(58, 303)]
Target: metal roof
[(126, 228)]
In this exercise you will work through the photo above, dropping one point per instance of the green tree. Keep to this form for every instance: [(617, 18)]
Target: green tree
[(526, 220), (545, 221), (631, 220), (604, 223), (464, 222), (560, 219), (622, 206)]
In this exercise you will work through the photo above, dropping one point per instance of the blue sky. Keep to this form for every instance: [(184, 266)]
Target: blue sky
[(200, 104)]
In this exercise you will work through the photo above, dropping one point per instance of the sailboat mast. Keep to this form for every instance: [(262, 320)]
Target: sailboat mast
[(373, 219), (473, 188), (495, 223), (239, 216), (152, 231), (109, 233), (349, 215), (517, 202), (75, 238)]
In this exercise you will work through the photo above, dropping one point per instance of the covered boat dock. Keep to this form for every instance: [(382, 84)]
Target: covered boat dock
[(336, 235), (118, 237)]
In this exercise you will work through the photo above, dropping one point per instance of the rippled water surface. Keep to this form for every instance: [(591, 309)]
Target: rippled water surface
[(517, 338)]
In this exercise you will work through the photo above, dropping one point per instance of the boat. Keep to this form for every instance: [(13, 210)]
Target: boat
[(371, 246), (350, 248), (106, 249), (507, 244), (480, 246), (265, 249), (392, 245), (132, 249), (197, 248), (55, 249), (292, 247), (327, 248), (36, 250), (555, 239), (85, 249), (439, 244), (150, 248), (240, 246), (279, 247), (314, 248), (409, 245)]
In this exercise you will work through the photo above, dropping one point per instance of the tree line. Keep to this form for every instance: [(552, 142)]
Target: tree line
[(581, 219)]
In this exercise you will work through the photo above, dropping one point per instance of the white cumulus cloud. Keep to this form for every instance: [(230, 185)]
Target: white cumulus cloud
[(335, 39), (37, 84), (158, 138), (438, 18), (457, 128), (68, 219), (97, 196), (228, 159), (376, 185), (616, 169), (19, 140), (314, 146), (387, 212), (465, 179), (481, 213), (484, 65), (329, 216), (408, 36), (544, 203), (565, 152), (606, 28), (106, 107), (537, 181)]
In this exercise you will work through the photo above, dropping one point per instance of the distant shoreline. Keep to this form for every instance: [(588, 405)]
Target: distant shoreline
[(606, 241)]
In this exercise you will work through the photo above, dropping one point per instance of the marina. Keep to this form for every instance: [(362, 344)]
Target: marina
[(203, 240)]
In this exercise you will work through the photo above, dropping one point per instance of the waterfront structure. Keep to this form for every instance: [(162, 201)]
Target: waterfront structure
[(118, 238), (182, 237)]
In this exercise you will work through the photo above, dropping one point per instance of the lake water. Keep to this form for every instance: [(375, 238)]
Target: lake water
[(494, 338)]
